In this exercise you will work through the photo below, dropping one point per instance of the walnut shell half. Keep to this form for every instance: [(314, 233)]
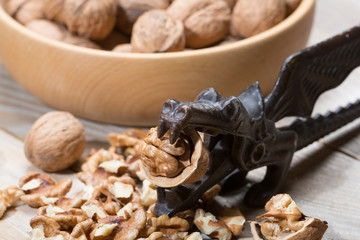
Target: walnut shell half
[(313, 229), (199, 160)]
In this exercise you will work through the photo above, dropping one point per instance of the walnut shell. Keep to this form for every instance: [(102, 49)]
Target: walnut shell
[(25, 11), (251, 17), (54, 10), (94, 19), (130, 10), (313, 229), (47, 29), (55, 141), (199, 161), (156, 31), (205, 22), (123, 48)]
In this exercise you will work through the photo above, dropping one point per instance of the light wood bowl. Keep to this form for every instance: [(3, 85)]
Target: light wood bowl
[(129, 89)]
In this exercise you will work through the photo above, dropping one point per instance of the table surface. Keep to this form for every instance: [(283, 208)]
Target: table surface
[(324, 178)]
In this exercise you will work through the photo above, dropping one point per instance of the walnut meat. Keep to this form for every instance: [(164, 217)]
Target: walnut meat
[(130, 10), (94, 19), (284, 221), (156, 31), (55, 141), (251, 17), (8, 198), (169, 165), (205, 21), (37, 186)]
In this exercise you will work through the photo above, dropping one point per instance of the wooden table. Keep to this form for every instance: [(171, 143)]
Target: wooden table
[(324, 178)]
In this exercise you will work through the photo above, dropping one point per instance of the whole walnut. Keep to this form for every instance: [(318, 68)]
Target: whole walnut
[(123, 48), (251, 17), (55, 141), (156, 31), (47, 29), (94, 19), (58, 32), (54, 10), (25, 11), (130, 10), (205, 21)]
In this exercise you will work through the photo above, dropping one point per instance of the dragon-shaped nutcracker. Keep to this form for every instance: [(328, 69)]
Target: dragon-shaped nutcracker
[(240, 132)]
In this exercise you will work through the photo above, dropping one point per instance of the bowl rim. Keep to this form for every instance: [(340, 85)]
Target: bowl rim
[(304, 7)]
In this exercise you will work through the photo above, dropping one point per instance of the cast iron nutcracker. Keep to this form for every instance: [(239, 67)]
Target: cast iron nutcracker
[(240, 132)]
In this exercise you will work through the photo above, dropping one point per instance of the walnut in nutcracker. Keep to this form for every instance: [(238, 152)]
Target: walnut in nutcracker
[(55, 141), (205, 21), (156, 31), (169, 165), (94, 19), (130, 10), (251, 17)]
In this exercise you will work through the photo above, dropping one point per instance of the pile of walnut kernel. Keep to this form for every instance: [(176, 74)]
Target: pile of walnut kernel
[(115, 203), (149, 26)]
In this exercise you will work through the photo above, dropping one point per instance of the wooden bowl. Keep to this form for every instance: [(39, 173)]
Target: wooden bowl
[(129, 88)]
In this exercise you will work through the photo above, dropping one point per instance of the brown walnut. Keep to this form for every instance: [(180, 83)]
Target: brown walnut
[(130, 10), (169, 165), (94, 19), (251, 17), (156, 31), (55, 141), (25, 11), (47, 29), (205, 21)]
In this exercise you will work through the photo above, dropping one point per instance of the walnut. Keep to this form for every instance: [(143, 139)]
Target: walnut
[(9, 197), (54, 10), (130, 229), (156, 31), (25, 11), (82, 230), (129, 138), (80, 41), (211, 193), (148, 193), (66, 218), (205, 21), (92, 209), (114, 39), (194, 236), (123, 48), (209, 225), (45, 226), (169, 165), (37, 186), (165, 224), (283, 220), (94, 19), (233, 219), (55, 141), (130, 10), (251, 17), (47, 29)]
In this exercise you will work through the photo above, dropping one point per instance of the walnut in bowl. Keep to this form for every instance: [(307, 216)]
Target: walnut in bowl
[(129, 88)]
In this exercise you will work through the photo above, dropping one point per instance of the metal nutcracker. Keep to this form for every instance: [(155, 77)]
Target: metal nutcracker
[(240, 132)]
